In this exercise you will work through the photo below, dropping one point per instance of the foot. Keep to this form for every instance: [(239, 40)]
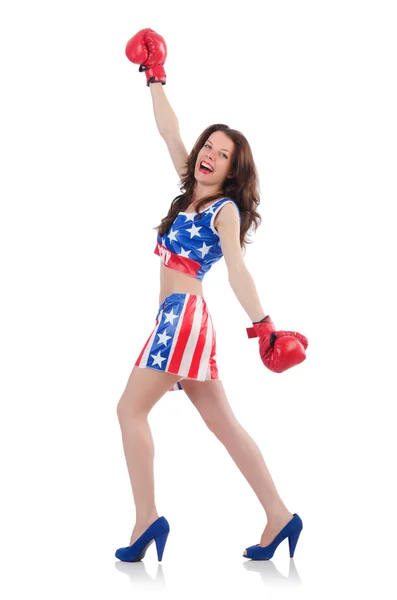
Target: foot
[(273, 528), (140, 528)]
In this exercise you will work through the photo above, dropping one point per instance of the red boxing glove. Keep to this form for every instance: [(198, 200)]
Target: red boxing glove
[(279, 350), (148, 49)]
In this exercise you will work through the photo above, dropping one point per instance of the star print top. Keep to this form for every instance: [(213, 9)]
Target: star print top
[(192, 244)]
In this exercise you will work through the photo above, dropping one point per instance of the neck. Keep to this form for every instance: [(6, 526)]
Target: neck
[(201, 190)]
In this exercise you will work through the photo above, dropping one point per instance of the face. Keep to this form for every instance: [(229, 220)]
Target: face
[(217, 152)]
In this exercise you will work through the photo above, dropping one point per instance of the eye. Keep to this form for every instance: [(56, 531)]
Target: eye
[(222, 153)]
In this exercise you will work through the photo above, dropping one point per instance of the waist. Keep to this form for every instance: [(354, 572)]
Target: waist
[(174, 282)]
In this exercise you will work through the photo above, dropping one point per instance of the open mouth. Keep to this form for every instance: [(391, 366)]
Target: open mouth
[(204, 169)]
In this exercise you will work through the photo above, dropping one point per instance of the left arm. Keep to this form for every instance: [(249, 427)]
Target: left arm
[(240, 279), (244, 287), (279, 350)]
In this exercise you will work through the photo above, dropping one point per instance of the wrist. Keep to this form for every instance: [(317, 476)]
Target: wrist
[(261, 321)]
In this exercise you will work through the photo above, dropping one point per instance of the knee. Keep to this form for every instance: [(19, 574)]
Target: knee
[(214, 425), (222, 428), (125, 410), (132, 406), (120, 409)]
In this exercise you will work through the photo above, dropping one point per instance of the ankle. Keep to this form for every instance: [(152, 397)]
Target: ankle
[(278, 515), (143, 521)]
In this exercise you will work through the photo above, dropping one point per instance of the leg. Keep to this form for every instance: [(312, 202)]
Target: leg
[(210, 400), (144, 388)]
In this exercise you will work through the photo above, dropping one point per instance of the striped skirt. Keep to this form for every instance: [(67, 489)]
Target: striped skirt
[(183, 340)]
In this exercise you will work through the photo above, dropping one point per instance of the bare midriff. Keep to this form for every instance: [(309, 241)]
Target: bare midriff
[(175, 282)]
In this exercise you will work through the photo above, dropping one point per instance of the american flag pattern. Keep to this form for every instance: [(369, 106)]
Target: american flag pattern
[(183, 340), (192, 244)]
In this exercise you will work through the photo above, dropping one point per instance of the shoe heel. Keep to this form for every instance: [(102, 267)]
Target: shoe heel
[(160, 544), (292, 541)]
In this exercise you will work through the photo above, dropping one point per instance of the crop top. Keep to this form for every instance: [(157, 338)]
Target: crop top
[(192, 244)]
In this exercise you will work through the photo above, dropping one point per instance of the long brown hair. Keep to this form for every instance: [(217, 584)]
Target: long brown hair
[(242, 187)]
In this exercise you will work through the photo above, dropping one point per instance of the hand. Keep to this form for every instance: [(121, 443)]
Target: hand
[(279, 350), (148, 49)]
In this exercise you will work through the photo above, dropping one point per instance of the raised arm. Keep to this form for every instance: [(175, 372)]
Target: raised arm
[(168, 126), (166, 120), (148, 49)]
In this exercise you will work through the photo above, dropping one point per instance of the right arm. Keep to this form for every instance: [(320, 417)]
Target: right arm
[(168, 126), (166, 119)]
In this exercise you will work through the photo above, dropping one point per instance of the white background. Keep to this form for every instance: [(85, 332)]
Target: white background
[(85, 176)]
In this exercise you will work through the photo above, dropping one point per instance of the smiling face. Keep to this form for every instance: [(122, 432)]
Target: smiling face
[(217, 152)]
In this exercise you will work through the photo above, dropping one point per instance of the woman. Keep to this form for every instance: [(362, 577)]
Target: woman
[(208, 221)]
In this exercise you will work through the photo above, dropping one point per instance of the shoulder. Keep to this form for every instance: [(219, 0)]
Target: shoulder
[(227, 212), (227, 225)]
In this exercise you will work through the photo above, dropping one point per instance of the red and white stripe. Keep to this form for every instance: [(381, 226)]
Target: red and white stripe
[(192, 353)]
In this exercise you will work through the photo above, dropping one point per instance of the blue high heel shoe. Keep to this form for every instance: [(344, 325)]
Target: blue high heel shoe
[(292, 531), (157, 531)]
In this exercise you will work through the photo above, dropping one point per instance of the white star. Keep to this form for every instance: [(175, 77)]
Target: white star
[(194, 231), (157, 358), (190, 217), (169, 317), (184, 253), (172, 236), (163, 337), (210, 210), (204, 249)]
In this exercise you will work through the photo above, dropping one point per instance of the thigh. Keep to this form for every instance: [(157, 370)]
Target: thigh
[(145, 386), (209, 398)]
